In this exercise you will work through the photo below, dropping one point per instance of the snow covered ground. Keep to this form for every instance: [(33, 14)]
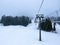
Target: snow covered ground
[(20, 35)]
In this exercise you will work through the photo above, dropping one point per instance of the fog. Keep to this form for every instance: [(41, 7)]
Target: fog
[(27, 7)]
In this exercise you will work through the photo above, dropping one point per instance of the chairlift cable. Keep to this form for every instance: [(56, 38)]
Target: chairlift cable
[(40, 6)]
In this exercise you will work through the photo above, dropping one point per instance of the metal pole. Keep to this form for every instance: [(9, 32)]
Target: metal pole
[(39, 29), (40, 21)]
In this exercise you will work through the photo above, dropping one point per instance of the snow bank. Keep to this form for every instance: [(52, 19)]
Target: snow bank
[(20, 35)]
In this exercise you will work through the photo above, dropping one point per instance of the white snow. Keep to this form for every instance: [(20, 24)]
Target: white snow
[(20, 35)]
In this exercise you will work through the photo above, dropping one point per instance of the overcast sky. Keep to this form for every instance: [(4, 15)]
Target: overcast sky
[(27, 7)]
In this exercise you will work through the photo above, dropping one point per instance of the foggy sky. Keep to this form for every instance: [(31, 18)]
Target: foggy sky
[(27, 7)]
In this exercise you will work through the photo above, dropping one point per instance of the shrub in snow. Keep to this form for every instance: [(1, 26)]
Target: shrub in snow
[(46, 25), (9, 20)]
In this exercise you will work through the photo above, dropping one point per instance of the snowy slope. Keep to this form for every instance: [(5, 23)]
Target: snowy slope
[(20, 35)]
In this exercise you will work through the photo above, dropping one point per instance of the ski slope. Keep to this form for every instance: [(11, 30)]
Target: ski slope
[(20, 35)]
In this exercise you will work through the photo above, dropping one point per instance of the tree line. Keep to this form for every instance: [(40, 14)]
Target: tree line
[(21, 20)]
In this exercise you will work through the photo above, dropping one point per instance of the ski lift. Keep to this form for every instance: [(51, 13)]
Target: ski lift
[(38, 17)]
